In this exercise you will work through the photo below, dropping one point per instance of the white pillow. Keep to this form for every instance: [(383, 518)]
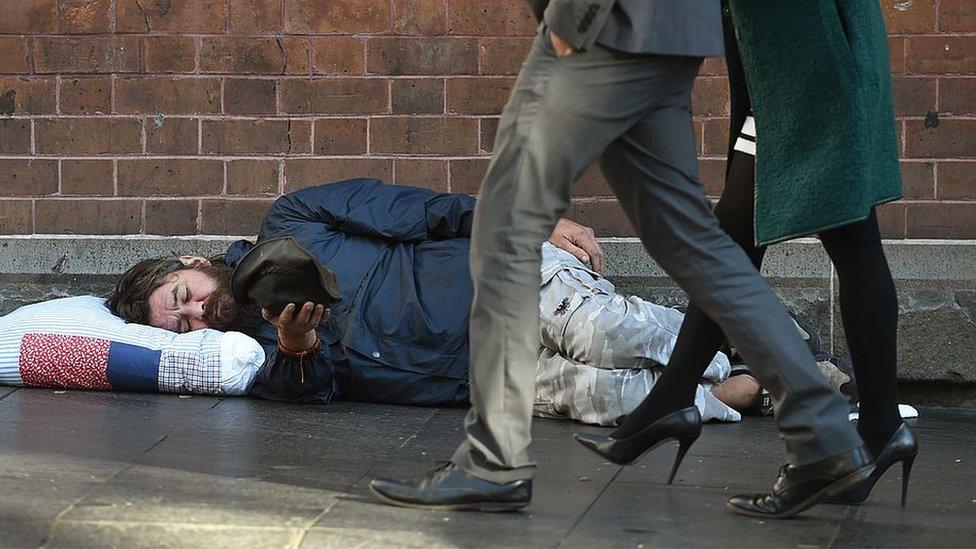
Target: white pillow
[(77, 343)]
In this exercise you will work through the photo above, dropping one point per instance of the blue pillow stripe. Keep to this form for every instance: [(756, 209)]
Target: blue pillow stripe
[(133, 368)]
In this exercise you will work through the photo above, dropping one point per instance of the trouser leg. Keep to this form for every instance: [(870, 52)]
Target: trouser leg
[(562, 114), (700, 337), (653, 171)]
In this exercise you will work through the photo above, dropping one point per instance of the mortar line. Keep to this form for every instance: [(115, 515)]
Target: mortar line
[(586, 511)]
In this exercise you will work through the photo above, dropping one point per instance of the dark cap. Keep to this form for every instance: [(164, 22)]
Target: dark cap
[(277, 272)]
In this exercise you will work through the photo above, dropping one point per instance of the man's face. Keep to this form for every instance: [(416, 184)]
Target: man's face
[(194, 299)]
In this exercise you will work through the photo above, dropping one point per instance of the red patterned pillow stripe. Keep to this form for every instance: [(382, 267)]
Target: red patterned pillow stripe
[(64, 361)]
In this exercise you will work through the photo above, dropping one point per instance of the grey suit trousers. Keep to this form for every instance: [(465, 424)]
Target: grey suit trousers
[(633, 113)]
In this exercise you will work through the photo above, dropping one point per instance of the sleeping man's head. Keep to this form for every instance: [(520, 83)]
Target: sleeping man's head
[(177, 294)]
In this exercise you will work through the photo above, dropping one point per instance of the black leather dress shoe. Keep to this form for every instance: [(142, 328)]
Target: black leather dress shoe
[(448, 487), (800, 487)]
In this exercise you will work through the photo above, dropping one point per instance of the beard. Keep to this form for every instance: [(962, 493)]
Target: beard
[(220, 310)]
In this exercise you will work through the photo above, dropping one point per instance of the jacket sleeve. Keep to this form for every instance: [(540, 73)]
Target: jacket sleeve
[(311, 379), (368, 207), (577, 21)]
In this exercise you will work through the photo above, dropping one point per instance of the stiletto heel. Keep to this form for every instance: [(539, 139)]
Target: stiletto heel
[(683, 446), (683, 426), (906, 471), (903, 447)]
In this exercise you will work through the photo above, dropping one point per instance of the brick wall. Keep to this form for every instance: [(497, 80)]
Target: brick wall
[(190, 116)]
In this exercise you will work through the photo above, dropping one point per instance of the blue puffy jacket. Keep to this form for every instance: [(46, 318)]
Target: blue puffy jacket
[(400, 333)]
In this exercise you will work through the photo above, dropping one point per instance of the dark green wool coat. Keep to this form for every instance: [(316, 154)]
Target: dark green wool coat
[(819, 79)]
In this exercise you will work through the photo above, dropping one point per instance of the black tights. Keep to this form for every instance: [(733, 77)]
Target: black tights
[(868, 303)]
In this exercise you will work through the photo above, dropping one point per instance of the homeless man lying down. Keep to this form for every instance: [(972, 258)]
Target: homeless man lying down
[(399, 334)]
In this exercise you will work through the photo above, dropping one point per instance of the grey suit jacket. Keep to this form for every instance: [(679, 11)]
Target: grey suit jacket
[(663, 27)]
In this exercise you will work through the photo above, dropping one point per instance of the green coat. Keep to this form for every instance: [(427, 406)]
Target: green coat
[(819, 79)]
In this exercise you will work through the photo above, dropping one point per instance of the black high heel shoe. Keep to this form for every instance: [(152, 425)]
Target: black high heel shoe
[(903, 447), (683, 426)]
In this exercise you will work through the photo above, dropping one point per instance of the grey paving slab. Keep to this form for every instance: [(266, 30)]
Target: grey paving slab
[(4, 391), (125, 470), (126, 535)]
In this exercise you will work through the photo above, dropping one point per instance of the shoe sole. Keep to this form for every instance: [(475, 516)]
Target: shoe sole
[(825, 493), (487, 507)]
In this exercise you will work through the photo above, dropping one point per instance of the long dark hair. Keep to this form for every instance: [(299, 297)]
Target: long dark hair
[(130, 298)]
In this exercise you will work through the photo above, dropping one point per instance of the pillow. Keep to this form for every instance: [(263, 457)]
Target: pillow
[(76, 343)]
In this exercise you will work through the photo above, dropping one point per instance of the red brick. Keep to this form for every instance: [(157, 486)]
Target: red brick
[(714, 66), (710, 97), (892, 220), (171, 217), (335, 96), (249, 96), (488, 129), (957, 181), (180, 16), (712, 175), (478, 95), (88, 177), (233, 217), (416, 172), (297, 52), (957, 96), (88, 216), (28, 177), (592, 183), (252, 177), (918, 18), (255, 16), (449, 56), (337, 16), (172, 135), (86, 95), (29, 17), (170, 54), (253, 55), (80, 136), (418, 96), (914, 96), (339, 55), (307, 172), (419, 17), (942, 220), (503, 55), (20, 95), (164, 95), (16, 217), (605, 217), (896, 50), (87, 54), (256, 136), (918, 180), (334, 136), (467, 175), (951, 138), (715, 137), (424, 135), (957, 15), (941, 54), (84, 16), (496, 18), (13, 54), (15, 136), (160, 177)]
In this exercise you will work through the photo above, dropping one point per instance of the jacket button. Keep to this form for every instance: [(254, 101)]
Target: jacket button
[(376, 354)]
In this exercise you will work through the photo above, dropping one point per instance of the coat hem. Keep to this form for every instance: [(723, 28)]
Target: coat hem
[(801, 234)]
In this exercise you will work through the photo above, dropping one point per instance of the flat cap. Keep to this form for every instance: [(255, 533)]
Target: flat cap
[(279, 271)]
